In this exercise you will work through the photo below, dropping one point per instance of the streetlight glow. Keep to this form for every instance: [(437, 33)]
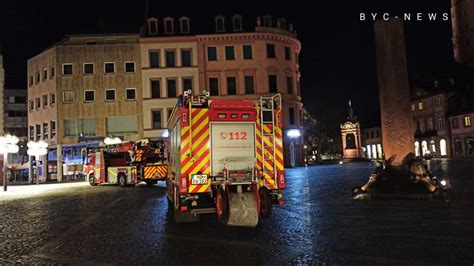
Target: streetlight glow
[(109, 141), (8, 144), (293, 133)]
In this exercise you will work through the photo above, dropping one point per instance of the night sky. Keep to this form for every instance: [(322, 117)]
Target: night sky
[(337, 59)]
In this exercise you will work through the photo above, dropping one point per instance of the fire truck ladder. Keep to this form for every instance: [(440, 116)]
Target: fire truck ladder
[(267, 121)]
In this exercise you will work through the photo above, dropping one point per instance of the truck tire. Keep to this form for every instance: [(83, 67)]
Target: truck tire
[(222, 206), (91, 180), (122, 180), (150, 183), (265, 202)]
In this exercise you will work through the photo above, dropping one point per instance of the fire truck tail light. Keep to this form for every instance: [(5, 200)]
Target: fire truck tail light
[(184, 208), (281, 180), (183, 186)]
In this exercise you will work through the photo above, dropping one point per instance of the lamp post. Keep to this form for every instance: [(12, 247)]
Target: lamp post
[(293, 134), (37, 149), (7, 145)]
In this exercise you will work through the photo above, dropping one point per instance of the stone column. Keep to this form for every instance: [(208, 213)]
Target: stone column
[(30, 169), (59, 163), (397, 132)]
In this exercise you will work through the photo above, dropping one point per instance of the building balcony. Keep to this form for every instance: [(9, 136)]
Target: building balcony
[(426, 134)]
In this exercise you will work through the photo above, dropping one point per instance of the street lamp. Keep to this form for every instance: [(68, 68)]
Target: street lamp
[(293, 134), (37, 149), (7, 145), (109, 140)]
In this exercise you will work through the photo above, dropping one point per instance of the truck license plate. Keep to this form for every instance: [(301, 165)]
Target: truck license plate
[(199, 179)]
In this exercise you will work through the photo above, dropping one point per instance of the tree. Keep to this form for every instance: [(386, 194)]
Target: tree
[(318, 140)]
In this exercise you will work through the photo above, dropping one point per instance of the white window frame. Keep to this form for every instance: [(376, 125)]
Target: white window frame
[(67, 64), (51, 97), (111, 73), (73, 95), (115, 95), (182, 21), (166, 30), (126, 98), (86, 101), (125, 67), (239, 18), (43, 77), (84, 69)]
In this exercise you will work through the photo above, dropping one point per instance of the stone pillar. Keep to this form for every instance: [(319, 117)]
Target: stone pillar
[(30, 169), (397, 132), (59, 163)]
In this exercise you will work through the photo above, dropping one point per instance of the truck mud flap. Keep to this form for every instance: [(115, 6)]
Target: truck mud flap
[(243, 209)]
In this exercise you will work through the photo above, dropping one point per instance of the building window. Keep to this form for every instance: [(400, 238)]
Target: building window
[(45, 131), (38, 132), (110, 95), (211, 53), (170, 59), (156, 119), (186, 58), (53, 128), (440, 120), (31, 81), (247, 51), (271, 50), (130, 94), (51, 72), (171, 88), (430, 123), (184, 24), (155, 88), (229, 53), (37, 77), (32, 133), (68, 96), (45, 100), (11, 99), (377, 134), (287, 53), (237, 22), (109, 68), (187, 84), (249, 85), (129, 67), (88, 68), (79, 127), (427, 103), (45, 74), (214, 86), (89, 96), (170, 111), (121, 124), (67, 69), (422, 125), (169, 25), (289, 84), (467, 121), (152, 26), (32, 105), (420, 106), (413, 107), (267, 21), (455, 122), (292, 115), (220, 24), (38, 103), (52, 98), (272, 83), (438, 101), (154, 57), (231, 86)]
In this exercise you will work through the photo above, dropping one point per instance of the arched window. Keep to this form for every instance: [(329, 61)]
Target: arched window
[(417, 148), (184, 24), (282, 23), (379, 151), (442, 147), (350, 141), (430, 123), (440, 120), (433, 147), (152, 26), (220, 24), (422, 125), (267, 21), (369, 154), (237, 22), (424, 147), (169, 25), (374, 151)]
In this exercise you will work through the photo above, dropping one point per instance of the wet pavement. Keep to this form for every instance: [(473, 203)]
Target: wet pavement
[(319, 224)]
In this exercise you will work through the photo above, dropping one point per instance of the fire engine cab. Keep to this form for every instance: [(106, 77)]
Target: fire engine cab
[(225, 157), (127, 163)]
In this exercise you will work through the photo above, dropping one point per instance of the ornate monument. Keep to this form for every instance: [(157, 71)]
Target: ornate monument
[(351, 141)]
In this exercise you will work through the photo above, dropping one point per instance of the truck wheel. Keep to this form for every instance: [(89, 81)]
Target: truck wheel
[(91, 180), (122, 179), (222, 206), (265, 202), (150, 183)]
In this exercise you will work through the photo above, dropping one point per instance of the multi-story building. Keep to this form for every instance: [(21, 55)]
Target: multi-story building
[(372, 141), (82, 89), (229, 62), (462, 17), (462, 132), (2, 88)]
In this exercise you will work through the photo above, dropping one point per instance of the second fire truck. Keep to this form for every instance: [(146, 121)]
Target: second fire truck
[(225, 157)]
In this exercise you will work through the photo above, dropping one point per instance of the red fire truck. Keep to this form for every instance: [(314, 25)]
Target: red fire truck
[(225, 157), (127, 163)]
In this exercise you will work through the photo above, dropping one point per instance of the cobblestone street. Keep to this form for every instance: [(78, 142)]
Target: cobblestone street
[(319, 224)]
